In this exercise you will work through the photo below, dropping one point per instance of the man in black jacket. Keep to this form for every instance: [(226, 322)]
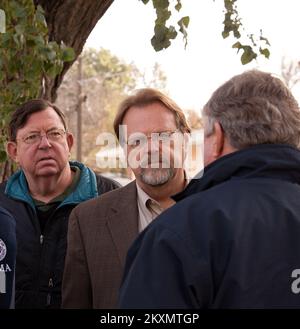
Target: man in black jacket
[(233, 239), (8, 250), (40, 196)]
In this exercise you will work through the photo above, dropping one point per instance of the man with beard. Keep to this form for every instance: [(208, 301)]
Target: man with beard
[(152, 130)]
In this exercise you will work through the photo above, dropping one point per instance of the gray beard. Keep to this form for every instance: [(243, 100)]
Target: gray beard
[(156, 176)]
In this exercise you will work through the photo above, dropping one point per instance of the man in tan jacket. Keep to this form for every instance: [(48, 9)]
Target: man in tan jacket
[(148, 125)]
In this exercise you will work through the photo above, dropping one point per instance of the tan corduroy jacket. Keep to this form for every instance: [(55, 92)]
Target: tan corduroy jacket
[(99, 235)]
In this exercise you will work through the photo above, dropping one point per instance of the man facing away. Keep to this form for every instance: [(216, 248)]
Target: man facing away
[(233, 240), (100, 231), (40, 196)]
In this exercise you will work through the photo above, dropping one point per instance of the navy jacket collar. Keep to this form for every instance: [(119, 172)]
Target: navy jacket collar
[(265, 160)]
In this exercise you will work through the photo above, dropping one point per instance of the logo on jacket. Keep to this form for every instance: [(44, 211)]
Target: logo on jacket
[(2, 250), (296, 283)]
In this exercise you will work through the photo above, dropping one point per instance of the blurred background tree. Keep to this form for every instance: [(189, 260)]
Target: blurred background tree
[(99, 81), (27, 61), (44, 37)]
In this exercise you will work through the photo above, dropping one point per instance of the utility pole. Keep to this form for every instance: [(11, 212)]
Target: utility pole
[(79, 111)]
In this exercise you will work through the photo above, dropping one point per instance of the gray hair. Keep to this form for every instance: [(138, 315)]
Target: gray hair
[(254, 108)]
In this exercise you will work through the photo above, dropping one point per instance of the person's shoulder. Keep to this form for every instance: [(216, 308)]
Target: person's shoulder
[(213, 207), (105, 200), (5, 213), (106, 184), (191, 212), (7, 221), (121, 190), (2, 187)]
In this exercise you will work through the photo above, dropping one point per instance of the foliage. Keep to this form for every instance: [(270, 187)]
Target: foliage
[(155, 78), (232, 24), (27, 58), (113, 73), (163, 34), (105, 81)]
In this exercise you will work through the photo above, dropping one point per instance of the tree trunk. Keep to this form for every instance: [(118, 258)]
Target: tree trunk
[(70, 21)]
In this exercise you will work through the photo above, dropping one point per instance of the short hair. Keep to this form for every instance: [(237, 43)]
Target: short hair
[(21, 115), (254, 108), (147, 96)]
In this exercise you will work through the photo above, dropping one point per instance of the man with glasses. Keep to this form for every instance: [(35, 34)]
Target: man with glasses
[(40, 196), (153, 130)]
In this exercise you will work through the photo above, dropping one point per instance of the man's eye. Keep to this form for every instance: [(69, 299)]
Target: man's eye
[(32, 137), (54, 134), (165, 135)]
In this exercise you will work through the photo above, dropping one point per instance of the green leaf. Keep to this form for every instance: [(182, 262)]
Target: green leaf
[(237, 45), (225, 34), (265, 40), (145, 1), (20, 11), (184, 21), (265, 52), (39, 40), (51, 54), (236, 34), (178, 5), (52, 71), (68, 54), (160, 4), (171, 34), (3, 156), (248, 55), (162, 16), (160, 32)]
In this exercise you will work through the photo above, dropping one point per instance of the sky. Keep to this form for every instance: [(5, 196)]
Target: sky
[(208, 60)]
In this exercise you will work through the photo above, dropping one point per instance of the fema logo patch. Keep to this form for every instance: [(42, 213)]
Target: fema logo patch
[(2, 250)]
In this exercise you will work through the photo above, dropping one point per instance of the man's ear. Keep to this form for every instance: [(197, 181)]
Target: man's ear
[(219, 140), (70, 140), (12, 151)]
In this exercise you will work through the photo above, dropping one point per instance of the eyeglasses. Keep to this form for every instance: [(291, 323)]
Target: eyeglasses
[(54, 135), (137, 139)]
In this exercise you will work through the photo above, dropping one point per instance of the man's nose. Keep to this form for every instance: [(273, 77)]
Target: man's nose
[(154, 144), (44, 142)]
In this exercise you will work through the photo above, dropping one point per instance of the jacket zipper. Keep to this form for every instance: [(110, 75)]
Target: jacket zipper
[(50, 285)]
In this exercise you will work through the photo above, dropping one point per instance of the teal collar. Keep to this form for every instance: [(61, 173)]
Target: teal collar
[(17, 187)]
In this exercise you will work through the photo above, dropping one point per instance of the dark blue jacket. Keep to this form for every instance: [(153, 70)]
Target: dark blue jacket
[(8, 250), (41, 256), (232, 242)]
